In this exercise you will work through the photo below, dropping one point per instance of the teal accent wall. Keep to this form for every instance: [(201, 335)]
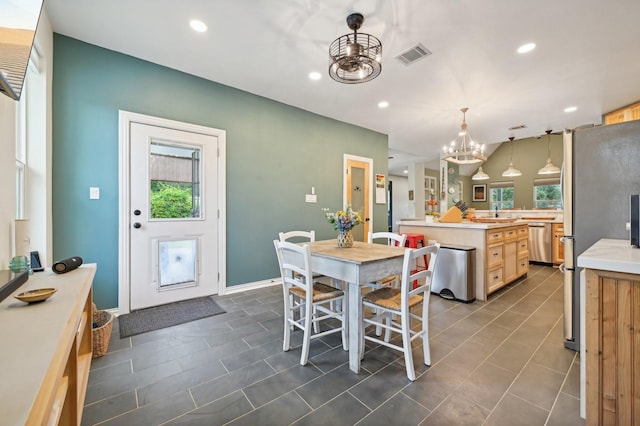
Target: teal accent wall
[(275, 154)]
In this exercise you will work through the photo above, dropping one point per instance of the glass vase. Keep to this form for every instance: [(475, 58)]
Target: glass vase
[(345, 239)]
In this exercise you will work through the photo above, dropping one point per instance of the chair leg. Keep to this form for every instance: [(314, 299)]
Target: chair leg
[(426, 349), (387, 332), (288, 315), (378, 327), (406, 346), (306, 338)]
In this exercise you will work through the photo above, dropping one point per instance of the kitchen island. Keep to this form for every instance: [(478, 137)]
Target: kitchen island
[(610, 351), (502, 254)]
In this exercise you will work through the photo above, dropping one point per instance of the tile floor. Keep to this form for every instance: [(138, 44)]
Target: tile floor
[(500, 362)]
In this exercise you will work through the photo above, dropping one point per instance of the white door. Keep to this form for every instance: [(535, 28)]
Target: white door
[(173, 215)]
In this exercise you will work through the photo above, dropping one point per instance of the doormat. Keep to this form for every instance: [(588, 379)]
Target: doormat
[(157, 317)]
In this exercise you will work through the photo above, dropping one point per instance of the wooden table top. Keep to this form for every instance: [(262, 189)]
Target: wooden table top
[(360, 252)]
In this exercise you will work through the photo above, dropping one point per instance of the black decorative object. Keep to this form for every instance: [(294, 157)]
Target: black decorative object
[(66, 265)]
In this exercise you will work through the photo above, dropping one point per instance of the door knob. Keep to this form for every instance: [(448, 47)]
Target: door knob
[(137, 212), (137, 225)]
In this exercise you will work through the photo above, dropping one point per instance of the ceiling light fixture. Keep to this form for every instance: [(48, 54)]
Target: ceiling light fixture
[(526, 48), (570, 109), (549, 168), (197, 25), (315, 75), (463, 150), (511, 171), (480, 175), (355, 58), (383, 104)]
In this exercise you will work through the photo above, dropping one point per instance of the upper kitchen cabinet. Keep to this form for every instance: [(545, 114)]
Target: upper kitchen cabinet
[(628, 113)]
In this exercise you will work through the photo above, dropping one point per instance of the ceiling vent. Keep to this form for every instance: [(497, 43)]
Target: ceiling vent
[(521, 126), (413, 54)]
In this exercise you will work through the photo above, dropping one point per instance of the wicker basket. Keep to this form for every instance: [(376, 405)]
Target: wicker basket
[(103, 322)]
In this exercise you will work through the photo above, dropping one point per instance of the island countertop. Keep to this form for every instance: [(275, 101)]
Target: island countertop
[(611, 255), (469, 224)]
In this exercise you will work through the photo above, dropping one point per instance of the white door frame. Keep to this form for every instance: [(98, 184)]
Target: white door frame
[(345, 190), (124, 204)]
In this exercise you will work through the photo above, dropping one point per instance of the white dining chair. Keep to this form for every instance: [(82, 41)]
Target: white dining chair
[(398, 303), (315, 299), (392, 239)]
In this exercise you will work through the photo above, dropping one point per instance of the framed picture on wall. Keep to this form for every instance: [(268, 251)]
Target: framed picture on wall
[(480, 192), (411, 195)]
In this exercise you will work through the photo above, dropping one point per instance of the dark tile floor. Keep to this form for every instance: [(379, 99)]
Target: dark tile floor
[(500, 362)]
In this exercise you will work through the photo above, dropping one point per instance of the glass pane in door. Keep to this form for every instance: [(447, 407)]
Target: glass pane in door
[(175, 176), (177, 263)]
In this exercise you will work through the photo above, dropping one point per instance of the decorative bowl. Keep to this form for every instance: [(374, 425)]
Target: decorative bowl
[(37, 295)]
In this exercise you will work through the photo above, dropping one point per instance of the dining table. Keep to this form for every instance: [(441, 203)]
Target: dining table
[(357, 265)]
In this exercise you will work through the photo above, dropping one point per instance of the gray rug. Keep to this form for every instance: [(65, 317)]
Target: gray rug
[(163, 316)]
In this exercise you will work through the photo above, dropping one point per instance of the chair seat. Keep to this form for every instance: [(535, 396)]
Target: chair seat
[(389, 298), (320, 292)]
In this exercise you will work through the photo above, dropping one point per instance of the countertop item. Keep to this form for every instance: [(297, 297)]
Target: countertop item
[(611, 255)]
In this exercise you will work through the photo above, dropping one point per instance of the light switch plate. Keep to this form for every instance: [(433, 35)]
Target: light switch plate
[(311, 198), (94, 193)]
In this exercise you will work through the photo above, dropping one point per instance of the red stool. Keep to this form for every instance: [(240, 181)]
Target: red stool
[(417, 241)]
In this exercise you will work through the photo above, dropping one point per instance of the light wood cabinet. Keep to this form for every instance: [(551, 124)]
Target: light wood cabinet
[(612, 324), (628, 113), (46, 371), (557, 248), (507, 256)]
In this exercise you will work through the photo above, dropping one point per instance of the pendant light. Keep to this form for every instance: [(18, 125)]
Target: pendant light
[(511, 171), (480, 175), (463, 149), (549, 168)]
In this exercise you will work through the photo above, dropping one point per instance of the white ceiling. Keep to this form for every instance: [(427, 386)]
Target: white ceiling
[(587, 55)]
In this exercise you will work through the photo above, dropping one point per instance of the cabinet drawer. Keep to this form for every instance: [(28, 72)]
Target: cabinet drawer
[(511, 234), (523, 245), (523, 265), (494, 237), (523, 232), (494, 280), (494, 256)]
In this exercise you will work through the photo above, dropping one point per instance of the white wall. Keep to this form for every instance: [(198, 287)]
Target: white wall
[(400, 199), (7, 176)]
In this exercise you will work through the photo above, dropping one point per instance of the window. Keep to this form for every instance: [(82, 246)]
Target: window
[(21, 152), (547, 193), (501, 195)]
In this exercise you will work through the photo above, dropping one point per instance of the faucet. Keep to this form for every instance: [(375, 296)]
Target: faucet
[(496, 211)]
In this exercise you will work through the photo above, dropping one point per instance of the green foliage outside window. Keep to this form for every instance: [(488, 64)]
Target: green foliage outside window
[(547, 196), (171, 200), (502, 198)]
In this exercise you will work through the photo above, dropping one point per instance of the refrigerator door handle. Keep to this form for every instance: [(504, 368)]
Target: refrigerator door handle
[(567, 242)]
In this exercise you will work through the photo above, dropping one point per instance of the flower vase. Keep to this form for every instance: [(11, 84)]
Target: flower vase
[(345, 239)]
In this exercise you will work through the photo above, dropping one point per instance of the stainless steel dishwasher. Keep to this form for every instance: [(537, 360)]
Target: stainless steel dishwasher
[(540, 242)]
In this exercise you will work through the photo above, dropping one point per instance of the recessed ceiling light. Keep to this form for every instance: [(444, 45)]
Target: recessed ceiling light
[(383, 104), (526, 48), (315, 75), (197, 25), (406, 171), (570, 109)]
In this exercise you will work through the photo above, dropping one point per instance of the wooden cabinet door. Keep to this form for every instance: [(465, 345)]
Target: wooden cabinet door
[(557, 248), (510, 261)]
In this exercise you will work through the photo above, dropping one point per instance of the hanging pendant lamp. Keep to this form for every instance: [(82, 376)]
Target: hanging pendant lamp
[(480, 175), (511, 171), (549, 168), (463, 149)]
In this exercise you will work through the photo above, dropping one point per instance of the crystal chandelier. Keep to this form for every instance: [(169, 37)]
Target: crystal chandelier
[(511, 171), (463, 150), (549, 168), (355, 58)]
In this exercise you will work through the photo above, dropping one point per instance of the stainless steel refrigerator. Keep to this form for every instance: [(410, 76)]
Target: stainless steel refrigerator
[(601, 169)]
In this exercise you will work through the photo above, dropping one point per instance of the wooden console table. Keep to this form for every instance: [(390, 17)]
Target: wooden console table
[(46, 350)]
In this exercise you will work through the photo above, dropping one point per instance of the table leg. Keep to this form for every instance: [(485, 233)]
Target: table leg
[(354, 327)]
